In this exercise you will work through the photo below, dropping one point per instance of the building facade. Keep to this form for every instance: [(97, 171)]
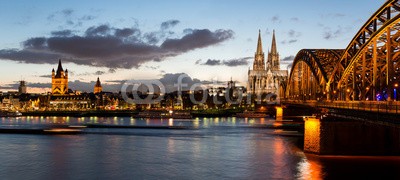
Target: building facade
[(59, 80), (266, 78)]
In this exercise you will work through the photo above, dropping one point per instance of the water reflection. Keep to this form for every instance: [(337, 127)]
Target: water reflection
[(310, 168), (279, 159), (222, 148), (129, 121)]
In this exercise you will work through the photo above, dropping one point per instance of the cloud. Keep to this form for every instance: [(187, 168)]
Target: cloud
[(62, 13), (45, 76), (152, 37), (294, 34), (152, 67), (62, 33), (101, 30), (196, 39), (198, 61), (111, 70), (276, 19), (237, 62), (290, 41), (212, 62), (294, 19), (329, 33), (99, 73), (67, 12), (169, 24), (231, 63), (69, 17), (293, 37), (106, 46), (126, 32), (333, 15), (288, 58), (87, 18)]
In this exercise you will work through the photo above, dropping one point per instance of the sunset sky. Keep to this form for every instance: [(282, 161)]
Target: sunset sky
[(122, 40)]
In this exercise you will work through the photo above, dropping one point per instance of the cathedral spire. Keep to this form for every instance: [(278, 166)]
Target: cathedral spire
[(273, 46), (60, 70), (273, 55), (259, 63), (98, 84), (259, 44)]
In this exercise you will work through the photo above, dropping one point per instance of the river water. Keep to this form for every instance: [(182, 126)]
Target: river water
[(215, 148)]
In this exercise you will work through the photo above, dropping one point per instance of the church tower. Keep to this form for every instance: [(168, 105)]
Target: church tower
[(59, 80), (266, 79), (22, 87), (273, 56), (97, 87), (259, 60), (256, 84)]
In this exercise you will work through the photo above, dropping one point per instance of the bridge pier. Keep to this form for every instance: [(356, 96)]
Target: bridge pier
[(330, 136), (279, 113)]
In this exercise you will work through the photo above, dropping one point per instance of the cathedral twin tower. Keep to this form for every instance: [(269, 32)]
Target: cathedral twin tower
[(266, 78)]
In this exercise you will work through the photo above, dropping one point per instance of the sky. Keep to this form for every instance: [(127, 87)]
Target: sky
[(157, 39)]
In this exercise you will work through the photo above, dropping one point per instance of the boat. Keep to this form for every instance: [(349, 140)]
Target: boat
[(251, 114), (165, 114)]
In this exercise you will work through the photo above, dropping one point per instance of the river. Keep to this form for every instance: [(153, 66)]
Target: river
[(216, 148)]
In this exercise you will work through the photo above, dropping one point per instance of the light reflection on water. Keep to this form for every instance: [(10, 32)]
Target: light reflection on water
[(196, 122), (223, 148)]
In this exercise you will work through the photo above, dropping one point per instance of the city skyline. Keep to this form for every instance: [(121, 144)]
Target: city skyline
[(147, 40)]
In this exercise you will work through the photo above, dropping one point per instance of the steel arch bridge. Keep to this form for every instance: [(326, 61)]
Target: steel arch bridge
[(367, 70)]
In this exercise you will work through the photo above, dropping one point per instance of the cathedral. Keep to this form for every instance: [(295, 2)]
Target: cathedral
[(266, 78), (59, 80)]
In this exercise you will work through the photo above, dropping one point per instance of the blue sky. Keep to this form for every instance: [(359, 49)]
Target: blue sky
[(193, 32)]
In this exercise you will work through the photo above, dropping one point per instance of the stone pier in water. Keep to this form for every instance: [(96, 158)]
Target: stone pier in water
[(330, 136)]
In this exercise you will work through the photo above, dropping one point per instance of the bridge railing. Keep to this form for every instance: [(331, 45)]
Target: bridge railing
[(392, 107)]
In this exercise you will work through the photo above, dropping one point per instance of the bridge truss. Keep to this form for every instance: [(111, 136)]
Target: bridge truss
[(368, 69)]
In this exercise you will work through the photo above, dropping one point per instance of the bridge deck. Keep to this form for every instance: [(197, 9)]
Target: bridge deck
[(390, 107)]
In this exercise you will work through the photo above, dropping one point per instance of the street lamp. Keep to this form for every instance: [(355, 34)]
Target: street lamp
[(395, 91)]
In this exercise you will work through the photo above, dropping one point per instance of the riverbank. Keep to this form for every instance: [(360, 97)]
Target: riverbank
[(126, 113)]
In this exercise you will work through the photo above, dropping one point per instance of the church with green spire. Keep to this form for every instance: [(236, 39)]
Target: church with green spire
[(265, 80)]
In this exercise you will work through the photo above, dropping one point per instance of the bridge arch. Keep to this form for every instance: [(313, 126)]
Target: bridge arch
[(369, 67), (310, 72)]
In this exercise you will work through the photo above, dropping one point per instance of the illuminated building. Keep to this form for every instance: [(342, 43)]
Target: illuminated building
[(97, 87), (266, 78), (59, 81)]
